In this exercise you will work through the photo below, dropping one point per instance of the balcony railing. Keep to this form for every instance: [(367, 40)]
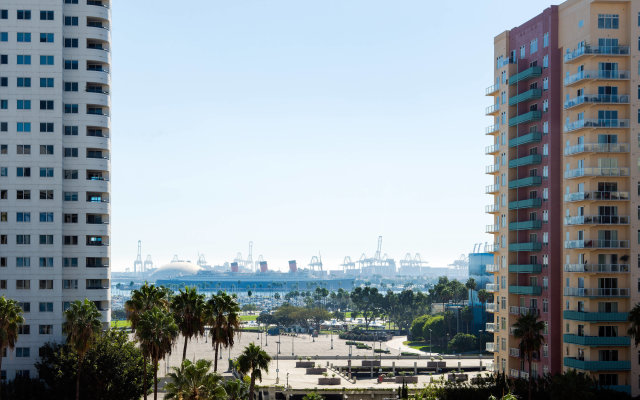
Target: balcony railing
[(597, 365), (596, 50), (492, 169), (526, 160), (596, 292), (607, 196), (491, 347), (595, 316), (597, 220), (524, 182), (596, 244), (491, 307), (492, 109), (492, 149), (492, 188), (492, 228), (597, 99), (529, 73), (596, 123), (491, 268), (529, 203), (492, 208), (596, 171), (526, 290), (530, 94), (492, 89), (597, 148), (597, 340), (606, 75), (531, 137), (492, 287), (97, 3), (514, 352), (525, 225), (525, 246), (523, 310), (492, 129), (597, 268), (491, 327), (494, 248), (526, 117), (525, 268)]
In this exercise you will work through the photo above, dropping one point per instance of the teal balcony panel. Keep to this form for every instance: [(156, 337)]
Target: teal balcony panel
[(524, 182), (595, 316), (529, 203), (526, 117), (525, 225), (531, 94), (526, 290), (532, 72), (595, 341), (597, 365), (525, 268), (618, 388), (527, 246), (526, 160), (531, 137)]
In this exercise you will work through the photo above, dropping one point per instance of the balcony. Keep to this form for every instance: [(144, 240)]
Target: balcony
[(98, 154), (526, 160), (525, 225), (98, 111), (597, 340), (93, 284), (597, 196), (493, 248), (596, 292), (525, 290), (97, 197), (96, 89), (492, 110), (98, 3), (514, 352), (597, 268), (531, 94), (597, 99), (97, 262), (595, 316), (491, 347), (490, 130), (596, 171), (596, 123), (492, 287), (597, 148), (97, 240), (597, 220), (492, 228), (529, 73), (531, 116), (525, 182), (596, 244), (97, 175), (526, 246), (492, 149), (531, 137), (521, 204), (492, 169), (597, 365), (491, 327), (596, 51), (491, 268), (491, 189), (491, 307), (523, 311), (492, 208), (97, 23), (525, 268), (491, 90), (604, 75)]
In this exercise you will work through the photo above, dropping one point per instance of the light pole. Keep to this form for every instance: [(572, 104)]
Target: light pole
[(292, 352), (279, 340), (266, 335), (287, 379), (430, 350), (480, 337)]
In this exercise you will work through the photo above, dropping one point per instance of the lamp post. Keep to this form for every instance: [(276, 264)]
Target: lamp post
[(266, 335), (331, 339), (279, 340), (430, 350), (480, 337), (287, 379), (292, 352)]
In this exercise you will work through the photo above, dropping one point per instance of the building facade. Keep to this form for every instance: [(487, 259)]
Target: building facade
[(54, 165), (588, 114)]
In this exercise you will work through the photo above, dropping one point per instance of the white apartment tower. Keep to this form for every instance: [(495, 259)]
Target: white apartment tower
[(54, 165)]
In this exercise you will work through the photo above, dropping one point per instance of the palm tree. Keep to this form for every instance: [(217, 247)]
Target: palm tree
[(483, 297), (82, 325), (194, 382), (236, 389), (157, 332), (188, 308), (224, 318), (634, 319), (529, 330), (252, 361), (10, 319), (144, 299)]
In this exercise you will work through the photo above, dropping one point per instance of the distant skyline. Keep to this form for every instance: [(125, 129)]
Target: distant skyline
[(305, 127)]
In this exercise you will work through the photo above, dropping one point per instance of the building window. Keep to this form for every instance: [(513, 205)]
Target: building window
[(71, 86), (70, 64), (71, 21), (45, 329), (47, 60), (23, 217), (46, 127), (23, 104), (23, 82), (23, 262), (71, 152), (24, 14), (533, 46), (46, 104), (70, 174), (23, 37), (46, 38), (608, 21), (22, 352), (23, 127), (46, 172), (545, 305), (70, 196), (46, 239), (523, 51), (22, 284), (71, 43), (70, 262), (46, 15), (545, 39), (46, 307), (46, 217), (46, 195), (70, 284), (4, 14), (46, 262), (71, 108), (46, 284)]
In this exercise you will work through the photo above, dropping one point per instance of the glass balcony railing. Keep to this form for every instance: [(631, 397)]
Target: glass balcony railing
[(491, 307), (607, 196), (596, 50), (491, 268), (491, 129), (514, 352), (531, 137), (597, 220), (597, 365), (525, 225), (490, 189), (525, 118), (596, 148), (492, 109), (491, 327), (515, 310), (492, 287), (597, 268), (493, 248), (492, 228), (492, 149), (492, 169), (595, 171), (526, 160), (525, 246), (492, 208), (597, 99), (596, 244), (529, 203), (530, 94), (525, 268), (596, 292), (525, 182), (492, 89), (529, 73), (596, 123), (595, 316), (525, 290), (491, 347), (606, 75)]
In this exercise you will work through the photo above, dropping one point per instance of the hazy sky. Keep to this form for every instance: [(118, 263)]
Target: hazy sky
[(304, 125)]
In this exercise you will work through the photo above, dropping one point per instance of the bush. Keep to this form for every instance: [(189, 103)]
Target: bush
[(381, 351), (462, 342), (408, 353), (416, 327)]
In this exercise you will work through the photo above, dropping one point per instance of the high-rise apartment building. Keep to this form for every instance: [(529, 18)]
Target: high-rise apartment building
[(566, 161), (54, 165)]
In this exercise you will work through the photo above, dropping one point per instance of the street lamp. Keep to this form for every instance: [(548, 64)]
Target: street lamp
[(292, 353), (480, 337), (279, 340), (430, 350), (287, 379), (331, 339)]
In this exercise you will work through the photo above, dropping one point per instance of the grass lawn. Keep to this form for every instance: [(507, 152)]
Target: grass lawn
[(248, 317), (424, 346), (120, 324)]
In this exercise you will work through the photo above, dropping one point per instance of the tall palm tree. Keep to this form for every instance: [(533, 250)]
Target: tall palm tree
[(195, 382), (10, 319), (528, 328), (483, 297), (157, 332), (634, 319), (144, 299), (82, 325), (236, 389), (223, 314), (188, 309), (253, 361)]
